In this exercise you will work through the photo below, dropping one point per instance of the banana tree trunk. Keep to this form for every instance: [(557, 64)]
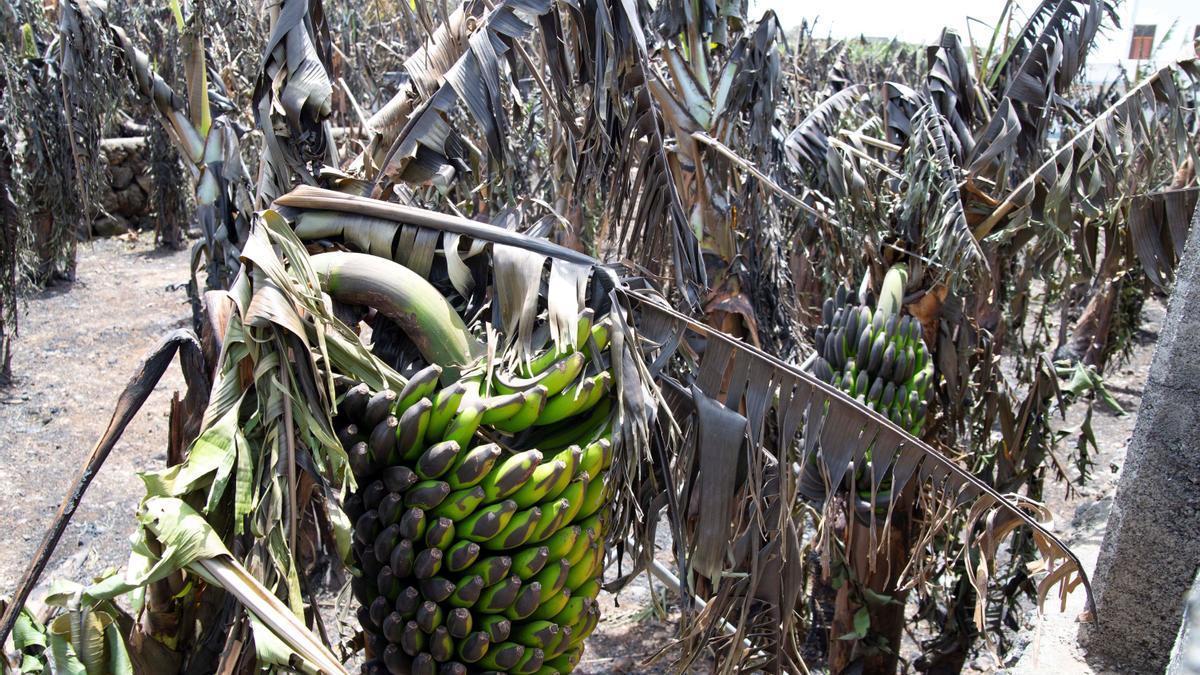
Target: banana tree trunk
[(1089, 340), (882, 578)]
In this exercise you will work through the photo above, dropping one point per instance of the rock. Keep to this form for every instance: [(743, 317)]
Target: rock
[(121, 176), (131, 201), (623, 665), (110, 226)]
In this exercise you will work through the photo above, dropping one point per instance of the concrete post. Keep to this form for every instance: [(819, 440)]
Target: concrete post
[(1151, 548)]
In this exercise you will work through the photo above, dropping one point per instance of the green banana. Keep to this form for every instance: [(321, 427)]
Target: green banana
[(582, 544), (361, 462), (566, 661), (387, 583), (529, 663), (511, 475), (427, 494), (445, 405), (502, 657), (562, 541), (554, 516), (466, 592), (460, 556), (412, 640), (492, 570), (393, 627), (571, 457), (486, 522), (367, 528), (419, 386), (573, 432), (530, 561), (424, 664), (601, 384), (539, 633), (554, 577), (459, 504), (589, 588), (348, 435), (552, 604), (534, 402), (574, 610), (440, 534), (555, 378), (474, 646), (549, 357), (502, 407), (386, 542), (428, 563), (379, 610), (596, 524), (596, 457), (353, 403), (473, 466), (497, 597), (408, 601), (579, 632), (496, 627), (437, 589), (601, 334), (395, 660), (391, 508), (441, 645), (569, 403), (595, 497), (585, 569), (437, 460), (429, 616), (382, 441), (378, 407), (459, 622), (525, 603), (543, 479), (410, 436), (463, 426), (560, 644), (412, 524), (398, 478), (517, 532)]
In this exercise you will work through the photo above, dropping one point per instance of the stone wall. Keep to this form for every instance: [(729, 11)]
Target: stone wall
[(125, 204)]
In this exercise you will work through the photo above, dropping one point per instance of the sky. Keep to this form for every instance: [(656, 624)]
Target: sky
[(922, 21)]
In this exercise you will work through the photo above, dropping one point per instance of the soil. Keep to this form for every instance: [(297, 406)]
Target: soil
[(79, 343)]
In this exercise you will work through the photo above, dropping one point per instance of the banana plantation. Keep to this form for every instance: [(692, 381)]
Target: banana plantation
[(498, 309)]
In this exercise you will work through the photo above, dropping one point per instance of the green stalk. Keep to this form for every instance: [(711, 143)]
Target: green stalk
[(891, 295), (406, 298)]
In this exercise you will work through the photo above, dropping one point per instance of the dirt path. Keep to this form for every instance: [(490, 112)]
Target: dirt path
[(80, 343), (78, 346)]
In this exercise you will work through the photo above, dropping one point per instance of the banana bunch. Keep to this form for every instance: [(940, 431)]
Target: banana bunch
[(876, 355), (480, 521)]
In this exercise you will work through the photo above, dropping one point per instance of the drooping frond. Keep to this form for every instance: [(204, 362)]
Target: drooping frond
[(931, 216), (766, 433), (1046, 57), (808, 143), (294, 81), (1107, 155)]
